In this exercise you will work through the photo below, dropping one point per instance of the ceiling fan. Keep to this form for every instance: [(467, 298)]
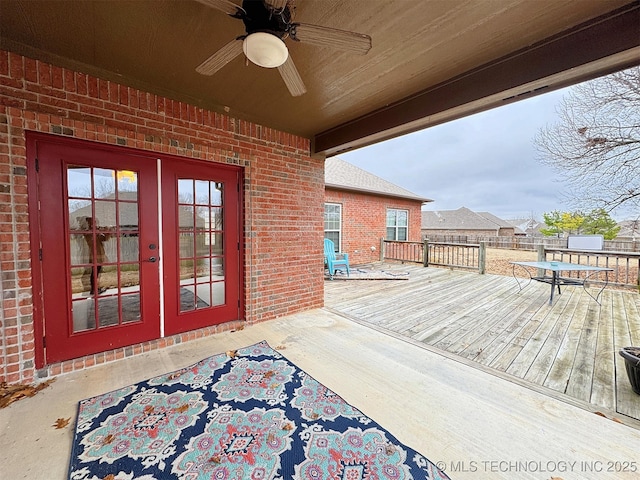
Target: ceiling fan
[(268, 23)]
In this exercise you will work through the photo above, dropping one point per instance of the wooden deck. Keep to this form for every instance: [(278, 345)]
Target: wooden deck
[(568, 350)]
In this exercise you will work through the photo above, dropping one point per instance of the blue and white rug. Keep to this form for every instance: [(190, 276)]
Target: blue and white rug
[(246, 414)]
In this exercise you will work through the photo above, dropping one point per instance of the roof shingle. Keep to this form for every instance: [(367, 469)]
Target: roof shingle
[(343, 175)]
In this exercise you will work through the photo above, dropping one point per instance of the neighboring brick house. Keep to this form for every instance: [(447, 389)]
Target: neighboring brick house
[(464, 222), (71, 142), (361, 208)]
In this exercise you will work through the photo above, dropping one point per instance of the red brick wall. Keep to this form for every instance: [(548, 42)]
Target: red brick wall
[(283, 192), (364, 222)]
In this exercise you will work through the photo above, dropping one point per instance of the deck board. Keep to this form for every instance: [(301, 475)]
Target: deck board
[(603, 390), (570, 347), (565, 359)]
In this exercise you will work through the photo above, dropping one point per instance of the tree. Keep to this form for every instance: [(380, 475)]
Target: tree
[(553, 221), (598, 222), (560, 223), (595, 146)]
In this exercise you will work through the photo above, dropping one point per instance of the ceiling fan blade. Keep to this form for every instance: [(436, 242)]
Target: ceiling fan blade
[(225, 6), (331, 37), (277, 5), (291, 77), (219, 59)]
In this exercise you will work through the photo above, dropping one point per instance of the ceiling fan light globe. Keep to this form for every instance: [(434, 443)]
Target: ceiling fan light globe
[(265, 50)]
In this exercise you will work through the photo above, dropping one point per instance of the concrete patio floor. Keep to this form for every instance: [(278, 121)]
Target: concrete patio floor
[(475, 424)]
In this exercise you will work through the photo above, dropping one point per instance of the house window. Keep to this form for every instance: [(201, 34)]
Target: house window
[(397, 224), (333, 223)]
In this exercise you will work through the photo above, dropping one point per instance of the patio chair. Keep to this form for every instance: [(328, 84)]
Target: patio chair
[(334, 260)]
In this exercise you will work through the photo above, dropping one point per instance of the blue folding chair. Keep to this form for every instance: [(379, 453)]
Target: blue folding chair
[(334, 260)]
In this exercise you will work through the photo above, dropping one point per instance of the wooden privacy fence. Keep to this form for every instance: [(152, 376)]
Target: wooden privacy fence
[(443, 254)]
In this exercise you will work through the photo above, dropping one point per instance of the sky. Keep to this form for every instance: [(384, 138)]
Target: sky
[(485, 162)]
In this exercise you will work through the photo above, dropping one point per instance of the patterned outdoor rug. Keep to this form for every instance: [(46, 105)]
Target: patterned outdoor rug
[(360, 273), (241, 415)]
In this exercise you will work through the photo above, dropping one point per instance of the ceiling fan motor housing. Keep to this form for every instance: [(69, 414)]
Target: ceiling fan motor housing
[(259, 17)]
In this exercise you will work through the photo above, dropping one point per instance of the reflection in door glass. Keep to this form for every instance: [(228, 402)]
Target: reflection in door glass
[(185, 191), (103, 246), (130, 289), (127, 183), (200, 249)]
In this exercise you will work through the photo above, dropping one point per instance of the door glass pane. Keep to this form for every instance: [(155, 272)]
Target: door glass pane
[(185, 191), (202, 192), (105, 213), (79, 250), (215, 218), (104, 250), (187, 297), (78, 211), (187, 273), (130, 291), (217, 279), (129, 247), (131, 307), (104, 183), (79, 181), (185, 217), (218, 293), (217, 268), (186, 249), (203, 295), (127, 184), (127, 215), (216, 193), (83, 314), (201, 248), (216, 243), (202, 244), (129, 278)]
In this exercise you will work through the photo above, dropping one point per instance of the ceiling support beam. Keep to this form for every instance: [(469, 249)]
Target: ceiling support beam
[(601, 46)]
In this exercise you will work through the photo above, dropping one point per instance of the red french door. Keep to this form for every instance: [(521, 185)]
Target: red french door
[(202, 254), (106, 259), (99, 236)]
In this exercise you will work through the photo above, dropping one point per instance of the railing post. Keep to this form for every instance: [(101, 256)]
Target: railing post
[(381, 249), (542, 257), (482, 257), (425, 252)]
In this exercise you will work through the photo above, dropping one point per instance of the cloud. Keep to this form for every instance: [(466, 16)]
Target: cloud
[(485, 162)]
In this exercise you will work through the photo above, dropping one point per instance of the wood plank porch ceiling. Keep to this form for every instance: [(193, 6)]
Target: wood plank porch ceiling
[(431, 61)]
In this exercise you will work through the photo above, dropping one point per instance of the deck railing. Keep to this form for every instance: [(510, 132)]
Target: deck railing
[(400, 251), (531, 243), (444, 254), (625, 265)]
